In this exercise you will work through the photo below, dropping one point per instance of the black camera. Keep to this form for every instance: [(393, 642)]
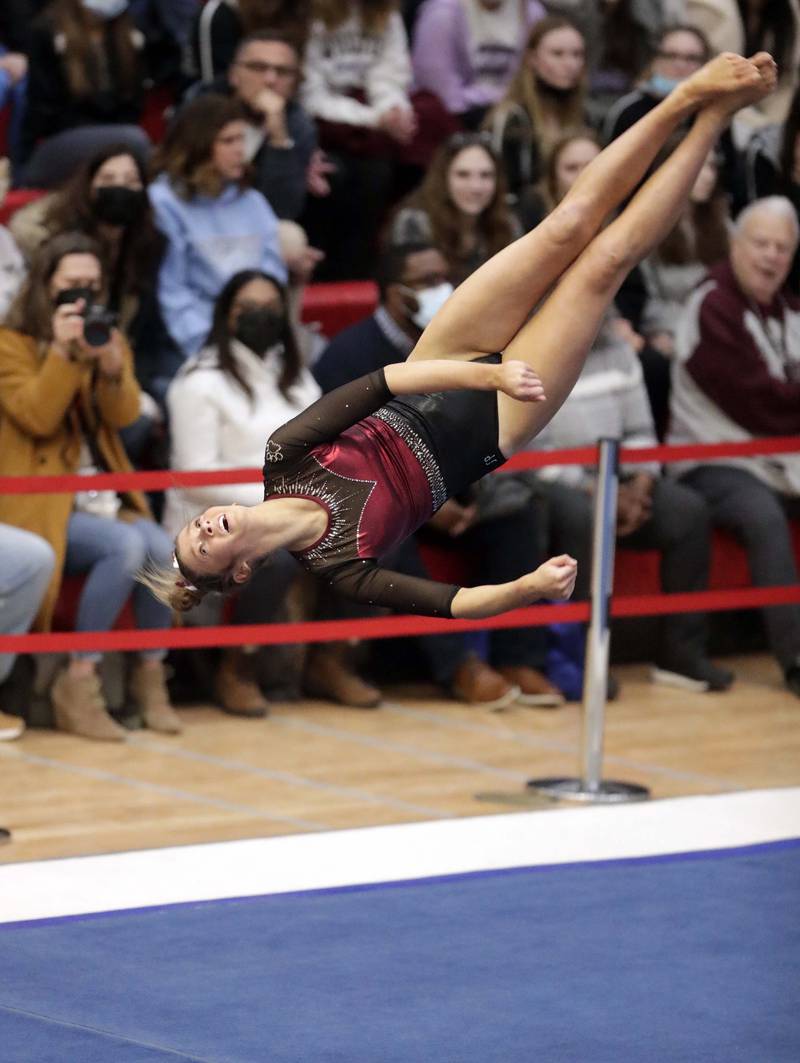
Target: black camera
[(98, 321)]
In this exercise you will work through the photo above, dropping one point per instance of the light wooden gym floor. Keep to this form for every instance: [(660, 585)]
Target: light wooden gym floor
[(312, 766)]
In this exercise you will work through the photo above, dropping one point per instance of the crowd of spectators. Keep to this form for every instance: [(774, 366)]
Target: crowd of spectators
[(191, 166)]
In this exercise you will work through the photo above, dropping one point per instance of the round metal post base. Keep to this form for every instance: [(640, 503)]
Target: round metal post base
[(608, 792), (5, 835)]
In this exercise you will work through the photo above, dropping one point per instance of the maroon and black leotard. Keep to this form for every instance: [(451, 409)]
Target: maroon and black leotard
[(381, 466)]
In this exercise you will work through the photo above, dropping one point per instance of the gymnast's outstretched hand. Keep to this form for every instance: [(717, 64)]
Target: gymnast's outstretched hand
[(520, 381), (554, 579)]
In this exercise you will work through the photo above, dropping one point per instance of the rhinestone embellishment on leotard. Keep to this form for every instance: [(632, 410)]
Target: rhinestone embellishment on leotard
[(420, 450), (337, 500), (274, 451)]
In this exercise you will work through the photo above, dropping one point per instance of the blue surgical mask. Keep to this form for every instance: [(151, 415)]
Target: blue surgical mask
[(106, 9), (661, 86), (429, 302)]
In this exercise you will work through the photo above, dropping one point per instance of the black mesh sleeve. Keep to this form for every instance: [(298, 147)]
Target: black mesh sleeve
[(366, 581), (328, 417)]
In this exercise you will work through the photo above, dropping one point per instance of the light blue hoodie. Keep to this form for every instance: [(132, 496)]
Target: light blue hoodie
[(208, 240)]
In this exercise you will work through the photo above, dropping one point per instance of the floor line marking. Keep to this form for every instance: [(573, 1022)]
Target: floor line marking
[(389, 746), (508, 734), (287, 777), (13, 1009), (168, 791)]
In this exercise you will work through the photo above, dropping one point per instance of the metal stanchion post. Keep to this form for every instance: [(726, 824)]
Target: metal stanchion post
[(591, 787)]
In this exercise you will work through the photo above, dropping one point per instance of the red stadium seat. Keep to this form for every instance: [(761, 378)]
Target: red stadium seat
[(339, 304)]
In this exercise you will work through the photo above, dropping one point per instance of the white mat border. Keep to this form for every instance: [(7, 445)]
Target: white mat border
[(253, 867)]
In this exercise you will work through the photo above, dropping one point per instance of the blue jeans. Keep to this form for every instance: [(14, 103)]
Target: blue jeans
[(111, 552), (26, 565)]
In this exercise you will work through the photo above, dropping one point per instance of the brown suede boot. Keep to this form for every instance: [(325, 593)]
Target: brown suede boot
[(79, 707), (535, 688), (329, 676), (148, 687), (235, 687), (475, 683)]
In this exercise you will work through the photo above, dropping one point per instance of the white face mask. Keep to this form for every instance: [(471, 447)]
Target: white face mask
[(429, 302), (106, 9)]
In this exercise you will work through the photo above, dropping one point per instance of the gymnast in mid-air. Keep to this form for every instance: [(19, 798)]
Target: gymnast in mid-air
[(369, 463)]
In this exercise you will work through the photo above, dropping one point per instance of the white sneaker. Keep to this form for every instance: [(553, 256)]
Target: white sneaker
[(10, 727)]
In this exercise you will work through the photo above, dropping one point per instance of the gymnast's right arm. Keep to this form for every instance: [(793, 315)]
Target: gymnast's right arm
[(365, 581), (553, 579)]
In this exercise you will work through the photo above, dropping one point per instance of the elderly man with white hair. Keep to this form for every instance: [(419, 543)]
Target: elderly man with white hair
[(736, 376)]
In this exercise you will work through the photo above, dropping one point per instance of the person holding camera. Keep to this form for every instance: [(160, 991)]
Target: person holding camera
[(67, 387)]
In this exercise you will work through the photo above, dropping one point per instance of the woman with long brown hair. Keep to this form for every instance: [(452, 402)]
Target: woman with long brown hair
[(460, 207), (215, 224), (221, 25), (547, 96), (85, 88), (565, 161), (66, 390), (106, 199)]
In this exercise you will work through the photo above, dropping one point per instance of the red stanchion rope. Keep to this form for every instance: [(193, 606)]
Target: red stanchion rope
[(528, 459), (390, 626)]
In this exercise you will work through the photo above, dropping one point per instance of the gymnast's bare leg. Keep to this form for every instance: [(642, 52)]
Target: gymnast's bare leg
[(488, 310)]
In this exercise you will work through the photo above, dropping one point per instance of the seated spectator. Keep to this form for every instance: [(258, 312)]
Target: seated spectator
[(107, 200), (609, 400), (460, 207), (65, 391), (85, 88), (281, 138), (223, 404), (567, 158), (26, 567), (499, 524), (466, 51), (755, 26), (356, 81), (12, 264), (772, 168), (215, 224), (545, 99), (736, 377), (679, 51), (221, 25)]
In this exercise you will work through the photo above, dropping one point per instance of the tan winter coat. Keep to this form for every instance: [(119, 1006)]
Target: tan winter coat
[(40, 435)]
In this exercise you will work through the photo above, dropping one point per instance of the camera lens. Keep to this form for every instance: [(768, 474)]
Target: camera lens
[(97, 326)]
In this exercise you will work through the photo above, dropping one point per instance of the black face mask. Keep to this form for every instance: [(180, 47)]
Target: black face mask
[(118, 205), (259, 329)]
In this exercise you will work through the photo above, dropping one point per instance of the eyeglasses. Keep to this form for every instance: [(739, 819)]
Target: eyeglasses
[(256, 66), (695, 58)]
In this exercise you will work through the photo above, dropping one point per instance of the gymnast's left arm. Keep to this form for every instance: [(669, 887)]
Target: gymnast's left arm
[(427, 375)]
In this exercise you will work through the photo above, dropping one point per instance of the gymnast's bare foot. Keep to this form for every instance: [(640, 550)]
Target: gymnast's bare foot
[(732, 78)]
